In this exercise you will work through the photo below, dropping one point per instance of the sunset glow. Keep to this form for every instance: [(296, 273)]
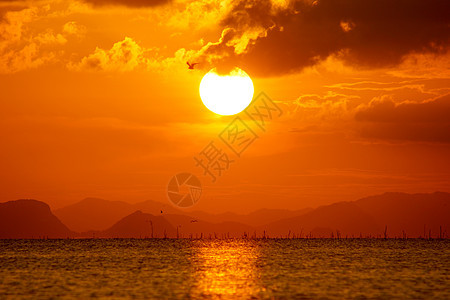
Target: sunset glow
[(97, 99), (225, 149)]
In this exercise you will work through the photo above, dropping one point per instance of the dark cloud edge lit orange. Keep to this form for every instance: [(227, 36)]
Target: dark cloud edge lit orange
[(368, 34)]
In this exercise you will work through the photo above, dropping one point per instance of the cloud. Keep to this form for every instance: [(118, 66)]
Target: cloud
[(319, 108), (11, 26), (271, 40), (385, 110), (424, 65), (414, 121), (21, 48), (49, 37), (125, 55), (73, 28), (194, 15), (131, 3)]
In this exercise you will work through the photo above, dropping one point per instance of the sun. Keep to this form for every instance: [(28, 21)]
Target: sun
[(226, 94)]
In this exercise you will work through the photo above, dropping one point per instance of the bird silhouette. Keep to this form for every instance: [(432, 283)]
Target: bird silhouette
[(191, 66), (161, 211), (194, 221)]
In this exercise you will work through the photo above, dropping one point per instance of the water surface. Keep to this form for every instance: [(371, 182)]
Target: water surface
[(225, 269)]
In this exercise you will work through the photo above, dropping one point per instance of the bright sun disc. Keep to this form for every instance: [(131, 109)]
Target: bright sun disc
[(227, 94)]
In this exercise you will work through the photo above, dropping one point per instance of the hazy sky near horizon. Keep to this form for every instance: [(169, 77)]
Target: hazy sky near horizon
[(96, 99)]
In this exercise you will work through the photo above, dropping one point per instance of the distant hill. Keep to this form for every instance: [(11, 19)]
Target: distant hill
[(140, 225), (413, 215), (256, 218), (30, 219), (346, 217), (136, 225), (98, 214), (93, 214), (400, 213)]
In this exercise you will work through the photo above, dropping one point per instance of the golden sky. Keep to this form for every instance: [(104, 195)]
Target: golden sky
[(96, 99)]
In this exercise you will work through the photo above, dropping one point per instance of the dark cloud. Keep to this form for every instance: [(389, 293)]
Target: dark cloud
[(369, 33), (425, 121), (131, 3)]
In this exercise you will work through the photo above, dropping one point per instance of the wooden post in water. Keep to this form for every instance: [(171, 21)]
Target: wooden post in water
[(151, 227)]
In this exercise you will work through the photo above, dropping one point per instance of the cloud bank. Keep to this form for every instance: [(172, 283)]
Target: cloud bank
[(413, 121), (123, 56), (269, 39)]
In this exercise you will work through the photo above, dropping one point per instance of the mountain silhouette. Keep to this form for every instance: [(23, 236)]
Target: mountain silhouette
[(85, 215), (136, 225), (346, 217), (93, 214), (396, 214), (30, 219), (412, 215), (256, 218), (140, 225)]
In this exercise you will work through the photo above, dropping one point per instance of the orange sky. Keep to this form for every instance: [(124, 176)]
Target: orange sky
[(96, 99)]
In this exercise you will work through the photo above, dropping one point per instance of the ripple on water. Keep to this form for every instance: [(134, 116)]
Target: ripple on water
[(226, 269)]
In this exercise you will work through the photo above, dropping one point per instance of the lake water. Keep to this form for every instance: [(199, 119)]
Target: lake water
[(225, 269)]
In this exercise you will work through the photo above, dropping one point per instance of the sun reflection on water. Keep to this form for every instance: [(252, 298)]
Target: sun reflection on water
[(226, 269)]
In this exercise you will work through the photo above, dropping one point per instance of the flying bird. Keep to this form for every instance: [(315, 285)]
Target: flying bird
[(193, 221), (191, 66)]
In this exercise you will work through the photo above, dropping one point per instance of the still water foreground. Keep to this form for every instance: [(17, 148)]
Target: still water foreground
[(225, 269)]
